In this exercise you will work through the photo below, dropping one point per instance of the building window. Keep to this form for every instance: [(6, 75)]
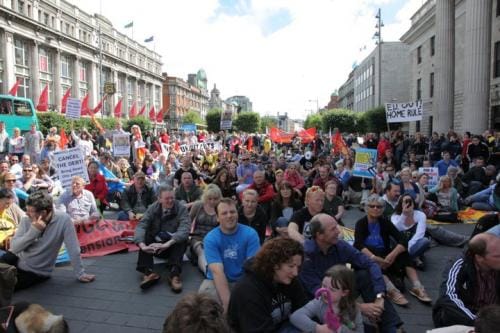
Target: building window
[(419, 89), (419, 54), (46, 18), (20, 7), (65, 68), (21, 53), (498, 7), (433, 45), (44, 64), (82, 76), (431, 86), (496, 65), (24, 87)]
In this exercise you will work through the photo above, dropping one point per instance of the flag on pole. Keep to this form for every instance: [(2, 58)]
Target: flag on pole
[(85, 106), (129, 25), (99, 105), (63, 141), (143, 110), (159, 116), (150, 39), (132, 112), (118, 109), (152, 114), (64, 100), (43, 101), (339, 144), (13, 90)]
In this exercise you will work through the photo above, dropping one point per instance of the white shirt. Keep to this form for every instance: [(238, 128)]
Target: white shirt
[(420, 220)]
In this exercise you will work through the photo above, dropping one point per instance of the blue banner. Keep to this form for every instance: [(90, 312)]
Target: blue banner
[(188, 127)]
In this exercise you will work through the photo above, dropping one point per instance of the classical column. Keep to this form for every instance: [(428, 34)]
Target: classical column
[(477, 65), (57, 78), (125, 95), (445, 66), (93, 83), (10, 62), (35, 72), (75, 88)]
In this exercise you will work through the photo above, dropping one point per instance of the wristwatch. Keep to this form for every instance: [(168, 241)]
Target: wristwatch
[(380, 296)]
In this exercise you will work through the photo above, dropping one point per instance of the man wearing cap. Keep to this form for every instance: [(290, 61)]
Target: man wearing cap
[(136, 198)]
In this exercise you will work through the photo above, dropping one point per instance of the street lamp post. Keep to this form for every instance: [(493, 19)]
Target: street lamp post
[(317, 103), (378, 36)]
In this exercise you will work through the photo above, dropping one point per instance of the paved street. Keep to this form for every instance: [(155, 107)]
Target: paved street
[(114, 302)]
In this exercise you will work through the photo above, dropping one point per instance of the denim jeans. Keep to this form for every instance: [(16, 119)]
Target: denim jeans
[(419, 247)]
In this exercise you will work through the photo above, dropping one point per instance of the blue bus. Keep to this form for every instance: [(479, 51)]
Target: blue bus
[(17, 112)]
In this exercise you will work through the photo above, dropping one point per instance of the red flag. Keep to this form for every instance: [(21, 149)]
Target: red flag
[(152, 114), (250, 143), (85, 106), (143, 110), (159, 116), (13, 90), (63, 141), (339, 144), (118, 109), (43, 101), (280, 136), (307, 135), (99, 105), (133, 111), (67, 94)]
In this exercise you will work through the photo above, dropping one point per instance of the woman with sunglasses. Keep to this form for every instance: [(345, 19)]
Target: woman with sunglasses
[(412, 223), (372, 236)]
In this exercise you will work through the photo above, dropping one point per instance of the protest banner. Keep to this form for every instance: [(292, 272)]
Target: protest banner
[(121, 145), (188, 128), (202, 146), (98, 238), (73, 108), (433, 174), (365, 163), (279, 136), (7, 229), (69, 163), (226, 120), (404, 112), (165, 148)]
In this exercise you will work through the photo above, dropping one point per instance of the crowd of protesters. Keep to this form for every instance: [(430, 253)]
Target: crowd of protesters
[(261, 219)]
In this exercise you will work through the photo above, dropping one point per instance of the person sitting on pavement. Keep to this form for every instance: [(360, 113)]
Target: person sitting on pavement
[(471, 283), (488, 199), (445, 163), (97, 185), (251, 213), (486, 222), (293, 176), (29, 183), (38, 240), (136, 199), (475, 179), (324, 250), (227, 247), (412, 223), (392, 192), (188, 191), (324, 177), (264, 190), (78, 202), (333, 204), (10, 217), (284, 205), (245, 172), (298, 228), (186, 166), (372, 236), (446, 198), (269, 292), (163, 232), (204, 219), (408, 186), (9, 183)]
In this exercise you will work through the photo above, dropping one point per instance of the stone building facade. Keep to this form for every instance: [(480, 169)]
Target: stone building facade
[(53, 43), (455, 65)]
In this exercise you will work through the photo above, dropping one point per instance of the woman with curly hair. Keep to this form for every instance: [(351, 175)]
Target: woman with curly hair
[(264, 299)]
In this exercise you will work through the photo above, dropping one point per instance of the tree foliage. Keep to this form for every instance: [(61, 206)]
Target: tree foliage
[(345, 120), (247, 122), (313, 120), (376, 122), (213, 120), (192, 117), (141, 121), (269, 122)]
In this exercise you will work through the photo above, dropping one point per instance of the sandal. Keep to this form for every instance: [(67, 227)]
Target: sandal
[(397, 298)]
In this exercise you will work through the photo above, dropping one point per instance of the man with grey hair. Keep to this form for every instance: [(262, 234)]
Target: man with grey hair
[(163, 232), (325, 249)]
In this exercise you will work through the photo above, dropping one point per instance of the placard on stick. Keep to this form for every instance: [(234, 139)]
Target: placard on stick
[(69, 163), (73, 108)]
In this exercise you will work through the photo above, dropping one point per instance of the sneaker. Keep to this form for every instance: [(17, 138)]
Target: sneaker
[(175, 284), (149, 280), (421, 294), (397, 298)]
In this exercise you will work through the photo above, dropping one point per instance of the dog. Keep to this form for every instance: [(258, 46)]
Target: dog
[(24, 317)]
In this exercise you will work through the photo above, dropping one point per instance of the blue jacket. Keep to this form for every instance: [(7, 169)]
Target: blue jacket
[(316, 263)]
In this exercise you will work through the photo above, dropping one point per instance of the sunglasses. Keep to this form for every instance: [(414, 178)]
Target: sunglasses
[(375, 206), (10, 180), (28, 170)]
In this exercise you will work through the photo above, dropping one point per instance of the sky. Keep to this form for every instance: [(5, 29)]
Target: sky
[(285, 55)]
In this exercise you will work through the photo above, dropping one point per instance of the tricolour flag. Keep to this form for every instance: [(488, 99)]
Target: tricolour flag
[(129, 25), (150, 39)]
